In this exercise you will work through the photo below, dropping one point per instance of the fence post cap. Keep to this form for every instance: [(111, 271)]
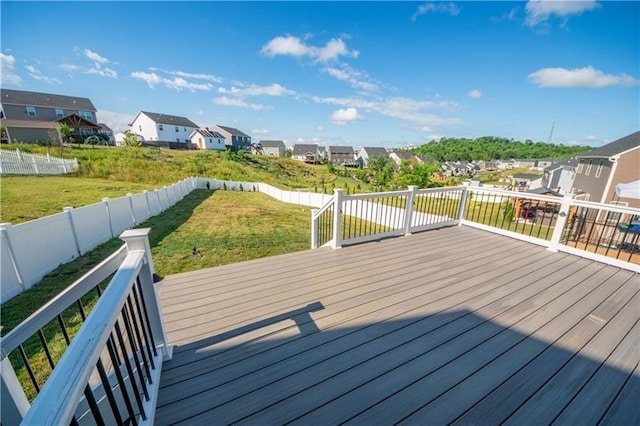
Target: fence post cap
[(67, 208), (5, 225), (135, 233), (105, 199), (129, 194)]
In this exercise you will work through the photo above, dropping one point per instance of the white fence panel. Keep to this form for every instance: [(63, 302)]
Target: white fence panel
[(120, 214), (42, 245), (154, 202), (19, 163), (9, 278), (140, 207), (92, 225)]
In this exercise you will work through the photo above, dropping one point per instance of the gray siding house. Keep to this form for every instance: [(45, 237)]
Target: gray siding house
[(235, 139), (272, 148), (342, 155), (559, 176), (600, 170), (308, 153), (34, 116), (367, 153)]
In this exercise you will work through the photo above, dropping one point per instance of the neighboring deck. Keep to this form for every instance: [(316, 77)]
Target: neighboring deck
[(445, 325)]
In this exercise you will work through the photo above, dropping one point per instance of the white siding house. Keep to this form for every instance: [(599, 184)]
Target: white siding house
[(155, 127), (207, 139)]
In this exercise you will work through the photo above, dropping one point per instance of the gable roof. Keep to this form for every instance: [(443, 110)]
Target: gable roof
[(614, 148), (174, 120), (271, 144), (48, 100), (233, 131), (303, 148), (562, 163), (104, 127), (336, 149), (207, 133), (375, 151)]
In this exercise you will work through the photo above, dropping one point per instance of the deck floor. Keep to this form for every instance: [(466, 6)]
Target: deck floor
[(452, 325)]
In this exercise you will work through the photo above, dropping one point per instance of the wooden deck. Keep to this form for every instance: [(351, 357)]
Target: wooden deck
[(452, 325)]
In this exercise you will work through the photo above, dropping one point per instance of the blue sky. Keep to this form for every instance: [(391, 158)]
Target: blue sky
[(386, 74)]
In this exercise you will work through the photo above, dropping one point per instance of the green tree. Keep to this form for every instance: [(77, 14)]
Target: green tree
[(131, 139), (66, 131)]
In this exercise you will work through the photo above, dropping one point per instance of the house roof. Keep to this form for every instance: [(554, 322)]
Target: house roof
[(375, 151), (174, 120), (271, 144), (207, 133), (74, 120), (614, 148), (337, 149), (234, 131), (562, 163), (302, 148), (49, 100), (403, 155), (105, 127), (544, 191)]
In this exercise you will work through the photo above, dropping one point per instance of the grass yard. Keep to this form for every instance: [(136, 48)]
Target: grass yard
[(225, 226)]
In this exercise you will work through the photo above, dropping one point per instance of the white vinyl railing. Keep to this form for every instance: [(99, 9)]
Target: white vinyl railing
[(19, 163), (110, 370), (602, 232)]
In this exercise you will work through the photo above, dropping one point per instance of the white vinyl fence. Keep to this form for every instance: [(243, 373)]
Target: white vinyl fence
[(19, 163), (32, 249)]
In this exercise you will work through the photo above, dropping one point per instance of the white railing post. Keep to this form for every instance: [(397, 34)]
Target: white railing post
[(6, 230), (561, 221), (337, 219), (106, 206), (314, 229), (409, 209), (13, 404), (463, 203), (138, 239), (68, 211)]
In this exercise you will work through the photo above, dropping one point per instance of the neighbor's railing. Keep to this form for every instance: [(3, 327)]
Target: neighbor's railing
[(19, 163), (109, 371), (601, 232)]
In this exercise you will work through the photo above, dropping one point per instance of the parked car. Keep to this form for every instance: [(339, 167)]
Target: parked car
[(527, 211)]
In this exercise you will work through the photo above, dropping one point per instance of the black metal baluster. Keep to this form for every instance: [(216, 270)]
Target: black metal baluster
[(130, 371), (25, 360), (120, 378), (146, 317), (142, 326), (43, 341), (107, 385), (132, 341)]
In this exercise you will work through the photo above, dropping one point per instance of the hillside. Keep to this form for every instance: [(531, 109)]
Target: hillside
[(493, 148)]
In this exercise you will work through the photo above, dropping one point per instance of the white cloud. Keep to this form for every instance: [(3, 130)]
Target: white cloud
[(8, 70), (475, 94), (196, 76), (293, 46), (590, 138), (260, 131), (237, 102), (98, 69), (69, 67), (588, 77), (356, 79), (274, 89), (320, 128), (176, 83), (344, 116), (117, 121), (436, 7), (539, 11), (95, 57), (36, 74)]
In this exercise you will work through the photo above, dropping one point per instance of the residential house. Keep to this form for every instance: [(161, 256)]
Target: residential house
[(273, 148), (34, 116), (342, 156), (542, 163), (309, 153), (526, 181), (164, 130), (366, 153), (524, 163), (207, 139), (560, 175), (399, 156), (120, 137), (322, 154), (600, 170), (235, 139), (457, 168), (107, 133), (506, 164)]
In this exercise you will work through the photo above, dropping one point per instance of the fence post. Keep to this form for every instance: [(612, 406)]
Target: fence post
[(337, 219), (146, 198), (6, 230), (157, 192), (561, 221), (14, 403), (106, 206), (35, 165), (409, 209), (68, 211), (133, 211), (463, 203), (314, 230), (138, 239)]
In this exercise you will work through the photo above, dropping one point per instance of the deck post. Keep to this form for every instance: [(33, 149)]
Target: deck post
[(463, 203), (561, 221), (14, 402), (138, 240), (337, 219), (314, 229), (408, 213)]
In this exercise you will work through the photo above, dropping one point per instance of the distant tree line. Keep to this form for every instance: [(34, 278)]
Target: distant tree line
[(493, 148)]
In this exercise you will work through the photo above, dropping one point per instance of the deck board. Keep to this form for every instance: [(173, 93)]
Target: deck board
[(398, 330)]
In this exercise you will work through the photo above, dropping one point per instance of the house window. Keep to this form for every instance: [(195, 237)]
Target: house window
[(580, 166), (59, 113), (86, 115), (177, 139), (177, 130), (140, 127), (588, 170), (160, 127), (31, 111), (599, 169), (184, 128)]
